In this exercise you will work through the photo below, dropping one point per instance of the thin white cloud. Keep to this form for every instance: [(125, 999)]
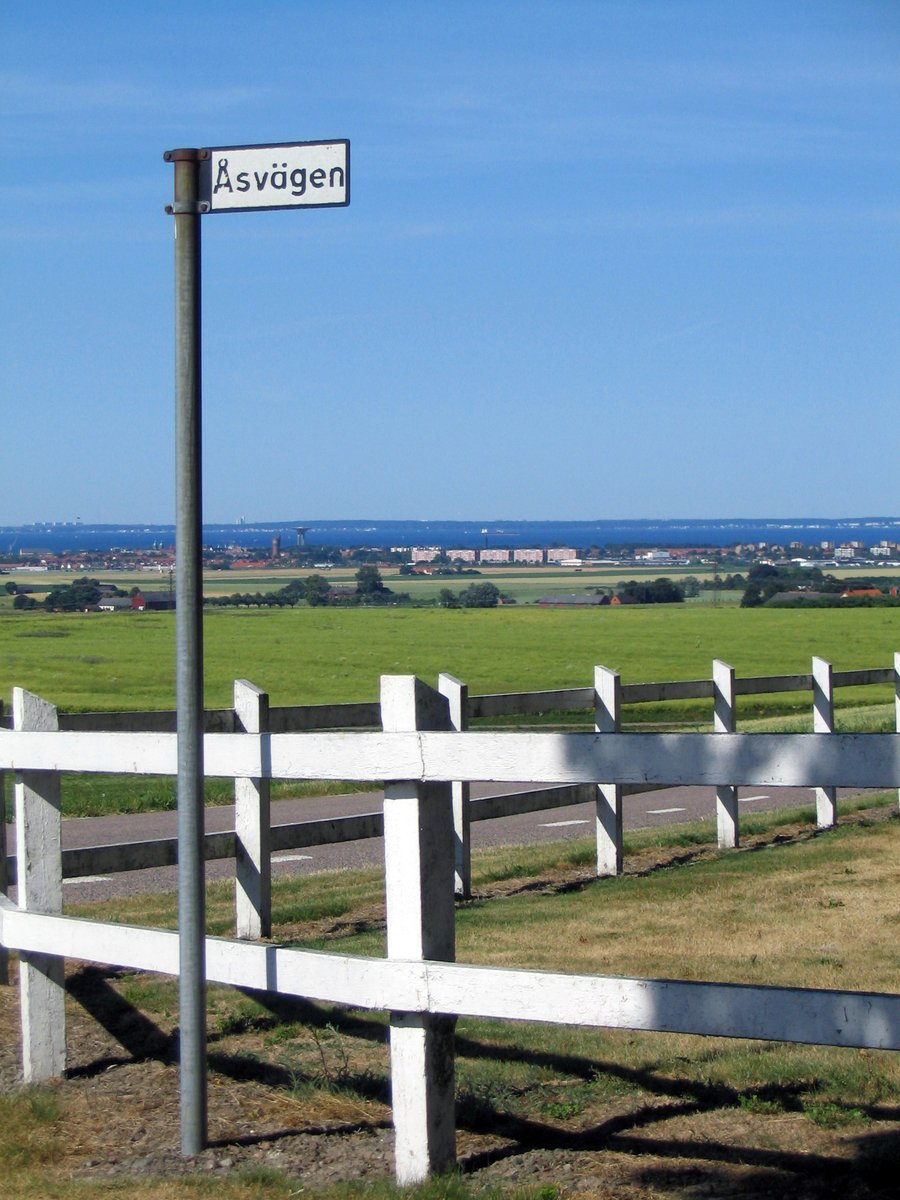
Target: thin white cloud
[(24, 96)]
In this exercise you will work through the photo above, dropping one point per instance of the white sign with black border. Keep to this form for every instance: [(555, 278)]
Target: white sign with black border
[(283, 175)]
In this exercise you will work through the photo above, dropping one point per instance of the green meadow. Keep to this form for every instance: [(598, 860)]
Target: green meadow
[(100, 661)]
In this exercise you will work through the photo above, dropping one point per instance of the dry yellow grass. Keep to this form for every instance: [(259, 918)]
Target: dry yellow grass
[(822, 912)]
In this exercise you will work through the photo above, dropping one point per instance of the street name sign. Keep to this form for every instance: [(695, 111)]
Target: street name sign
[(283, 175), (210, 180)]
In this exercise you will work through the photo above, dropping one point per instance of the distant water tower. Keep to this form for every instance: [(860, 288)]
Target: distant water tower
[(301, 532), (276, 547)]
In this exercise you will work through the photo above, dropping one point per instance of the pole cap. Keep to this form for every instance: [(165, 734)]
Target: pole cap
[(187, 154)]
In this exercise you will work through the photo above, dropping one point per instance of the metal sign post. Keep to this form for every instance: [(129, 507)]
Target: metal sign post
[(189, 652), (225, 179)]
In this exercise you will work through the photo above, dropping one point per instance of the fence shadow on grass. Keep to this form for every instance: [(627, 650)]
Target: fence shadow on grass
[(140, 1037), (764, 1171), (694, 1160)]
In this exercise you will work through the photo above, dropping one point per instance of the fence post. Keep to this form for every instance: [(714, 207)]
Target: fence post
[(724, 721), (39, 883), (252, 825), (897, 698), (4, 875), (823, 722), (608, 819), (457, 694), (418, 868)]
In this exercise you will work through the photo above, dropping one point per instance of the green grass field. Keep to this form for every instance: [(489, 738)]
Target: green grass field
[(98, 661), (106, 662)]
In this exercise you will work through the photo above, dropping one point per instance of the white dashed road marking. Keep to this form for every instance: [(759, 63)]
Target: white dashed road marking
[(656, 812), (560, 824)]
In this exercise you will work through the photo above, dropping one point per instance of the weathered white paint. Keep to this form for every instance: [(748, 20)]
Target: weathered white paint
[(817, 1016), (504, 704), (252, 825), (294, 718), (713, 1009), (327, 831), (676, 689), (667, 759), (39, 884), (418, 870), (287, 718), (510, 804), (801, 760), (724, 720), (422, 1095), (608, 803), (457, 694), (823, 722)]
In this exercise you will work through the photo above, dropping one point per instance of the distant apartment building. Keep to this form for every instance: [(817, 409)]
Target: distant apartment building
[(467, 556), (424, 554), (654, 556), (886, 550), (560, 554), (528, 556), (493, 556)]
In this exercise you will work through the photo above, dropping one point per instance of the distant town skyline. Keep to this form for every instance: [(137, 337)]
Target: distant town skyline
[(66, 537), (638, 260)]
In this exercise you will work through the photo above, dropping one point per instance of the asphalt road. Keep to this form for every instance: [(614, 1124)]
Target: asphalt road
[(665, 807)]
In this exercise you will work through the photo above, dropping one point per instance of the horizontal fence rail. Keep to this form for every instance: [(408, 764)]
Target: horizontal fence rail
[(869, 1020), (361, 715), (674, 759), (120, 857)]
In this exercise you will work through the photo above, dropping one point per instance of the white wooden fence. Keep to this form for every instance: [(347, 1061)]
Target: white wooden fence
[(422, 755), (254, 840)]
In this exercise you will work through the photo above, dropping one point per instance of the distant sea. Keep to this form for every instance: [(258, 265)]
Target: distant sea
[(455, 534)]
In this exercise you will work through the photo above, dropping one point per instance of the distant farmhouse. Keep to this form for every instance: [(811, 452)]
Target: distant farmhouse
[(574, 600), (152, 601)]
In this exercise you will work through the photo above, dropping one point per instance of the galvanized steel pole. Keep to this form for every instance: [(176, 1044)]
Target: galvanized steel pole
[(189, 651)]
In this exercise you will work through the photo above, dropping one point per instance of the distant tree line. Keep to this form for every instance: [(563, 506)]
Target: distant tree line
[(317, 592), (657, 591), (476, 595), (796, 586), (76, 596)]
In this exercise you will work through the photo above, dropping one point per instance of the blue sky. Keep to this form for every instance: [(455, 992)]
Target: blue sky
[(607, 259)]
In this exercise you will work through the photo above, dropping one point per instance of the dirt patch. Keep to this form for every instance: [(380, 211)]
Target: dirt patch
[(271, 1106)]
